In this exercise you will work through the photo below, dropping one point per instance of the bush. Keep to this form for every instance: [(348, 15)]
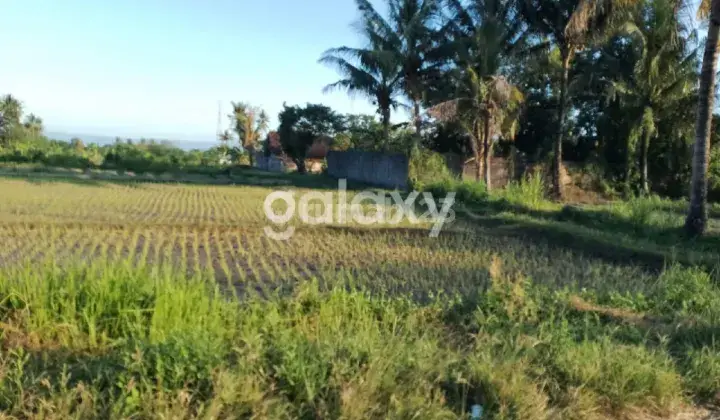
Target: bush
[(688, 291), (468, 192), (427, 167), (139, 158), (529, 192), (138, 342), (714, 174)]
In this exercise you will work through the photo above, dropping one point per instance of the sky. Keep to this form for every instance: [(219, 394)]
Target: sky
[(157, 68)]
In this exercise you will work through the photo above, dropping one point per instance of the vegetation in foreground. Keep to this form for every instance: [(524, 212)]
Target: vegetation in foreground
[(167, 300), (114, 341)]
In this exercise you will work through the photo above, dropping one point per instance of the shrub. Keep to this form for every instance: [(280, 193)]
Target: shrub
[(427, 167), (468, 192), (529, 192), (701, 370), (616, 376), (689, 291), (139, 158)]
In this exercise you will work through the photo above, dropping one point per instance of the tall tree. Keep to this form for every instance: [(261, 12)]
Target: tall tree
[(250, 124), (570, 24), (33, 124), (491, 109), (225, 137), (301, 126), (10, 114), (484, 36), (663, 75), (371, 72), (407, 33), (697, 215)]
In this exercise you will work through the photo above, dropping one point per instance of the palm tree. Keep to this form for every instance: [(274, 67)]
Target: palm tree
[(407, 35), (33, 124), (10, 113), (484, 35), (11, 108), (663, 77), (697, 214), (249, 123), (571, 25), (371, 72), (491, 108), (225, 137)]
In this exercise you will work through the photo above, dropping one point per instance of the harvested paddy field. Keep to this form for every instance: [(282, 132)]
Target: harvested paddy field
[(131, 299)]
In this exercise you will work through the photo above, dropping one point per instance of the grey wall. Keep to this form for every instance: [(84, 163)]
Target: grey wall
[(385, 170), (269, 163)]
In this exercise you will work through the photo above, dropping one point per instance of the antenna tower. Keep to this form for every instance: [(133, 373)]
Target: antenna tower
[(219, 121)]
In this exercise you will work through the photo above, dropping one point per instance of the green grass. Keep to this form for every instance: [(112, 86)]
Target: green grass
[(115, 341), (167, 300)]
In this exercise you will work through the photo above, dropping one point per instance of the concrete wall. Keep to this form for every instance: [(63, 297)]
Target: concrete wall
[(274, 163), (502, 170), (385, 170), (269, 163)]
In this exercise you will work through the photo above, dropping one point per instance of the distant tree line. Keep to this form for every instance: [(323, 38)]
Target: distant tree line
[(22, 140)]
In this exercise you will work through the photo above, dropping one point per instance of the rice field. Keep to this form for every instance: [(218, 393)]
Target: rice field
[(168, 300), (218, 231)]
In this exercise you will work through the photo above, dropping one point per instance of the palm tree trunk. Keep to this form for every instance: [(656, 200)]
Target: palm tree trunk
[(557, 160), (386, 123), (487, 152), (628, 162), (476, 146), (697, 215), (644, 149), (416, 116)]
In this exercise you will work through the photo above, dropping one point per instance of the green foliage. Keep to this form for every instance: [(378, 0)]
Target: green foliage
[(249, 123), (148, 157), (687, 292), (300, 127), (489, 312), (427, 167), (407, 46), (365, 133), (374, 73), (467, 192), (530, 192), (136, 343), (701, 371), (714, 173), (12, 128)]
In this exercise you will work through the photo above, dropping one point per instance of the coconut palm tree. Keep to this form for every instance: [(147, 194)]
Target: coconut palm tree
[(663, 76), (11, 108), (697, 214), (571, 25), (490, 108), (250, 124), (33, 124), (225, 137), (371, 72), (10, 113), (484, 35), (407, 34)]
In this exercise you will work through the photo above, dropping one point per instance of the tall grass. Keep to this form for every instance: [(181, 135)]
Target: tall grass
[(529, 192), (169, 301), (114, 341)]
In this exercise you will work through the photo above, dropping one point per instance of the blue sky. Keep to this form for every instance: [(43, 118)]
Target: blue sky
[(157, 68)]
